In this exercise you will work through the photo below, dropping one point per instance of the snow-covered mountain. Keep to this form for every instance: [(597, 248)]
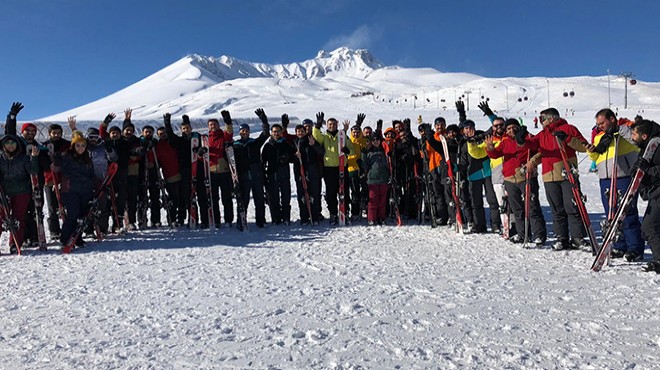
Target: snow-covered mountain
[(343, 82)]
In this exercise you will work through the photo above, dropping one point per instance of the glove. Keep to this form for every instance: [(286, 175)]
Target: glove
[(360, 119), (406, 124), (226, 117), (285, 121), (202, 150), (521, 136), (379, 125), (642, 164), (319, 120), (15, 108), (612, 130), (108, 118), (485, 108), (262, 115), (561, 135), (186, 119), (167, 118), (345, 150), (477, 138), (460, 107)]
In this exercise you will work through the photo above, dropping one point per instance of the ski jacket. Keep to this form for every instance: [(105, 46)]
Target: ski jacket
[(59, 146), (436, 160), (15, 172), (478, 163), (217, 156), (355, 156), (248, 152), (276, 156), (77, 173), (330, 144), (310, 155), (119, 146), (136, 152), (495, 163), (376, 165), (650, 186), (548, 154), (514, 158), (100, 159), (625, 156), (168, 161)]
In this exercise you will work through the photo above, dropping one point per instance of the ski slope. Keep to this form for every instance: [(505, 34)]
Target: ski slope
[(321, 297)]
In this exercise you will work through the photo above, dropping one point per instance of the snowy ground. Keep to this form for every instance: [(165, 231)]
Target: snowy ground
[(355, 297)]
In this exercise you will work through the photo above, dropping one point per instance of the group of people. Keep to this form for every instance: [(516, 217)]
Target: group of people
[(389, 174)]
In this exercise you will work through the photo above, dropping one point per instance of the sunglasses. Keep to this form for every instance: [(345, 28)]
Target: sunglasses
[(92, 137), (544, 118), (498, 125)]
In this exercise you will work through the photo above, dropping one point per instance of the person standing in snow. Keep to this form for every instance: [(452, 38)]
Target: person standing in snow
[(78, 184), (642, 132), (221, 182), (247, 152), (58, 145), (166, 153), (277, 154), (115, 142), (558, 189), (329, 142), (15, 171), (608, 149), (311, 154), (513, 150), (358, 191)]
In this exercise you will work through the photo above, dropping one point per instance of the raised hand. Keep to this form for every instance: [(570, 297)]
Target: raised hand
[(72, 123), (485, 108), (128, 112), (360, 119), (167, 118), (109, 118), (347, 124), (262, 115), (15, 108), (285, 121), (226, 117), (319, 120)]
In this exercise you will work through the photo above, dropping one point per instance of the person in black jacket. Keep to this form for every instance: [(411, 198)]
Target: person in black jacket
[(116, 143), (249, 167), (77, 173), (309, 154), (642, 133), (277, 154)]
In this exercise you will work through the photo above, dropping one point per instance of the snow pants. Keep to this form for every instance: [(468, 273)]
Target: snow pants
[(651, 227), (377, 207), (632, 240), (516, 194), (564, 211)]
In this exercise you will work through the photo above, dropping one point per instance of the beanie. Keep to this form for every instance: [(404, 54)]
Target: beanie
[(28, 125), (78, 138)]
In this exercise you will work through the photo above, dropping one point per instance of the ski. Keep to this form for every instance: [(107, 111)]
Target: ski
[(610, 236), (303, 181), (505, 217), (427, 194), (577, 197), (8, 221), (240, 207), (528, 189), (207, 181), (93, 209), (454, 190), (341, 142), (61, 212), (164, 197), (143, 206), (192, 210), (38, 199), (113, 203)]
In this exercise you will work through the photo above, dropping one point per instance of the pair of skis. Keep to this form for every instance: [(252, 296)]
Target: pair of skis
[(454, 190), (341, 143), (93, 209), (164, 197), (577, 196), (610, 236), (429, 203), (240, 207), (303, 181)]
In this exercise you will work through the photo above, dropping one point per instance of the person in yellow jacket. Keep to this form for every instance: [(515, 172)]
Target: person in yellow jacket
[(329, 141), (610, 149), (358, 185)]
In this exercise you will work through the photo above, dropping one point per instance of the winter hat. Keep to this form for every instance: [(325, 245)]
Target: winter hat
[(453, 128), (114, 128), (511, 121), (126, 125), (388, 130), (9, 137), (92, 131), (244, 126), (307, 121), (28, 125), (77, 137), (468, 123)]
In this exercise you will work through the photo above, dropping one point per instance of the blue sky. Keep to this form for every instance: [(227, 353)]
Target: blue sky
[(60, 54)]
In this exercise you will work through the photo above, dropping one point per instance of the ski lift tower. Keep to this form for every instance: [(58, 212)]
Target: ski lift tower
[(626, 76)]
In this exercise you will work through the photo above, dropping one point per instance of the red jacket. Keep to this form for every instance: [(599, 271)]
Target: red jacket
[(217, 141), (168, 161), (514, 158), (548, 151)]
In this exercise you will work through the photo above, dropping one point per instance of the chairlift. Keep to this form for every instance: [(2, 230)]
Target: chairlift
[(482, 97), (565, 94), (525, 98), (633, 82), (442, 100), (572, 93), (487, 99), (519, 100)]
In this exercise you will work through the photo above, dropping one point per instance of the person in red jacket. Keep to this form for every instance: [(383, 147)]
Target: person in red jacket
[(221, 182), (168, 161), (514, 158), (565, 213)]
